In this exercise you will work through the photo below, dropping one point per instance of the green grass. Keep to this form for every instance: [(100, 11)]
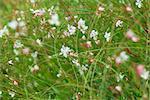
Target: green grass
[(100, 79)]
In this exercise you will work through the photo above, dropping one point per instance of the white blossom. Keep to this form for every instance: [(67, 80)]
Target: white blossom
[(76, 62), (54, 19), (82, 26), (119, 23), (39, 42), (35, 68), (71, 30), (118, 88), (138, 3), (65, 51), (145, 74), (12, 94), (38, 12), (107, 36), (94, 34), (124, 56)]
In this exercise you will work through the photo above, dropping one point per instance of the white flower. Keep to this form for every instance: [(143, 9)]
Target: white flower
[(138, 3), (76, 62), (124, 56), (120, 77), (84, 67), (145, 74), (38, 12), (34, 55), (13, 24), (38, 41), (101, 8), (54, 19), (59, 74), (82, 26), (35, 68), (2, 31), (18, 44), (65, 51), (12, 94), (94, 34), (107, 36), (71, 30), (10, 62), (119, 23), (118, 88), (131, 35)]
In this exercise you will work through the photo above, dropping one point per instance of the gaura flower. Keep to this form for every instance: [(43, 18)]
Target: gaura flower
[(65, 51)]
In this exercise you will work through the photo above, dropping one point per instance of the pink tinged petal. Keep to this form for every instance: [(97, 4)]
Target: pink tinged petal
[(139, 69), (118, 60), (135, 39)]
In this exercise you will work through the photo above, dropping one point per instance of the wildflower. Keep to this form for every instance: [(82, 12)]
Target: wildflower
[(83, 37), (122, 57), (10, 62), (138, 3), (71, 30), (101, 8), (76, 62), (131, 35), (65, 51), (34, 55), (35, 68), (118, 88), (107, 36), (82, 26), (13, 24), (88, 44), (38, 12), (119, 23), (59, 74), (18, 44), (94, 34), (120, 77), (145, 74), (2, 31), (12, 94), (38, 41), (54, 19), (97, 42), (141, 71), (84, 67), (128, 8), (15, 82)]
